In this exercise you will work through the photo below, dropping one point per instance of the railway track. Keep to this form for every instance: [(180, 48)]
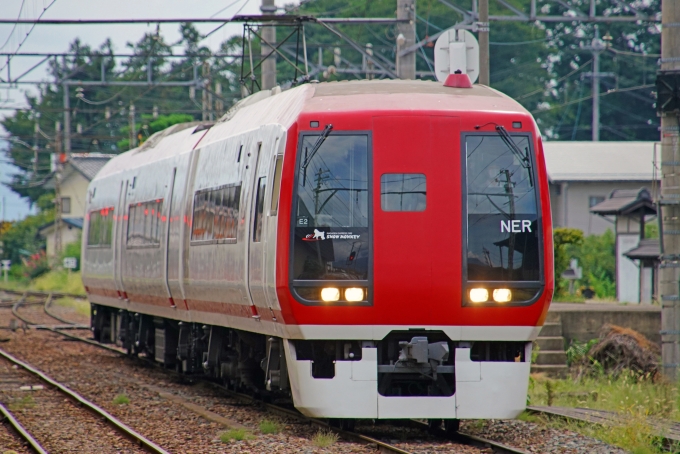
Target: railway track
[(82, 402), (362, 438), (25, 435), (667, 431)]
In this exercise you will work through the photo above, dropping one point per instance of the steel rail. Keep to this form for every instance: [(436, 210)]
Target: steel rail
[(109, 418), (364, 439), (23, 433), (46, 307), (473, 440), (30, 324)]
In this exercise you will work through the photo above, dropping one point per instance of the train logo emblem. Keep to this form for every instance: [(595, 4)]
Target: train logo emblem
[(318, 235)]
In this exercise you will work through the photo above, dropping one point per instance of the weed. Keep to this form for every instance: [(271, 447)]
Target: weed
[(549, 392), (121, 399), (325, 438), (236, 435), (20, 404), (269, 427)]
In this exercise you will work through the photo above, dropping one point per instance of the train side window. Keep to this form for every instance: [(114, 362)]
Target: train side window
[(215, 215), (144, 225), (403, 192), (259, 209), (100, 226), (276, 186)]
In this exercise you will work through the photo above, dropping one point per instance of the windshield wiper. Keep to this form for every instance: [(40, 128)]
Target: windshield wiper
[(308, 158), (523, 157)]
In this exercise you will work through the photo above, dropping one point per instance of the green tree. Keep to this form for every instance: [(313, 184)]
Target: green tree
[(596, 255), (21, 239), (563, 237)]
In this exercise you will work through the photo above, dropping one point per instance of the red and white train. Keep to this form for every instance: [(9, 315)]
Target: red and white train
[(375, 249)]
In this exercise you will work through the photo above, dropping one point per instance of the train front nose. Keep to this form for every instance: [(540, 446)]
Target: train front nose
[(417, 219)]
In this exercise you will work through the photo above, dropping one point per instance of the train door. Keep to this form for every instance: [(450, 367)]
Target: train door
[(166, 225), (120, 239), (254, 220), (417, 217)]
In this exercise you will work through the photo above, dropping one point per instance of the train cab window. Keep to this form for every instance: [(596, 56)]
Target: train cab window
[(215, 214), (331, 208), (144, 224), (502, 211), (100, 227), (403, 192), (259, 209)]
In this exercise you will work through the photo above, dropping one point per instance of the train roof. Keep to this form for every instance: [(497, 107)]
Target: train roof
[(276, 107)]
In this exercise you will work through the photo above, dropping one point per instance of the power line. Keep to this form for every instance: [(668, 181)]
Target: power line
[(15, 25), (29, 32)]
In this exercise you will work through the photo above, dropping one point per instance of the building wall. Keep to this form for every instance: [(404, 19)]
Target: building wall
[(69, 234), (75, 187), (578, 195)]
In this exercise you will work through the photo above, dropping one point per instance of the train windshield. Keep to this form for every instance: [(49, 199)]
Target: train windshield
[(331, 209), (502, 212)]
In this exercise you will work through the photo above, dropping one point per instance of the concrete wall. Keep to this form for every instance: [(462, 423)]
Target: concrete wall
[(577, 207), (583, 322), (69, 234)]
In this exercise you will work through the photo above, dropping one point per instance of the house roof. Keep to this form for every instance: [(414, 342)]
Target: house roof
[(626, 201), (647, 249), (599, 161), (73, 222), (87, 164)]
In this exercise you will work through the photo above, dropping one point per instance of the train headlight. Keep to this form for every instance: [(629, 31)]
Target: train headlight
[(479, 295), (330, 294), (502, 295), (354, 294)]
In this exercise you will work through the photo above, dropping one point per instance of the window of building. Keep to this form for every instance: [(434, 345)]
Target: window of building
[(259, 209), (66, 205), (144, 223), (594, 200), (100, 227), (403, 192), (216, 212)]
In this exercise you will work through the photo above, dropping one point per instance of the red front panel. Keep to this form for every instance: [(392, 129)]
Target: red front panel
[(417, 255)]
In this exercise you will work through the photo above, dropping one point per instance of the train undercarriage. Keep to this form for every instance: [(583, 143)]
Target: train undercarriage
[(408, 364)]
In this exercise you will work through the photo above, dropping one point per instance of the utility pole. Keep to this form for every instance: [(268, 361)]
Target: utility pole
[(36, 128), (207, 100), (670, 196), (406, 67), (269, 34), (57, 190), (483, 37), (132, 126), (597, 46), (67, 120)]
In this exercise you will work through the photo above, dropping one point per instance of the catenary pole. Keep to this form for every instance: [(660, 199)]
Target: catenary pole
[(670, 199), (483, 37), (406, 10), (269, 34)]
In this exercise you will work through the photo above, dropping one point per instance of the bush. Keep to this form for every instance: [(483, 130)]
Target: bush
[(596, 254)]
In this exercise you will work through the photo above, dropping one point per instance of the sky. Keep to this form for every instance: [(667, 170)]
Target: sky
[(56, 38)]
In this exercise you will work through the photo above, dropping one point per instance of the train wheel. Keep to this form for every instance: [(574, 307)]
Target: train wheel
[(451, 426), (434, 424)]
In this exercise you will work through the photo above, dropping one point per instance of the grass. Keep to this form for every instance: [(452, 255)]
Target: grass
[(269, 427), (235, 435), (20, 404), (81, 306), (52, 281), (325, 438), (634, 398), (121, 399), (59, 281)]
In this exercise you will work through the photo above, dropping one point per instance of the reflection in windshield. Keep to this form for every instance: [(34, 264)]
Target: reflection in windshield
[(502, 210), (331, 210)]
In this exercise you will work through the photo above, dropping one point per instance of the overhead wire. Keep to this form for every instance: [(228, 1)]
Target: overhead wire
[(15, 26), (29, 33)]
